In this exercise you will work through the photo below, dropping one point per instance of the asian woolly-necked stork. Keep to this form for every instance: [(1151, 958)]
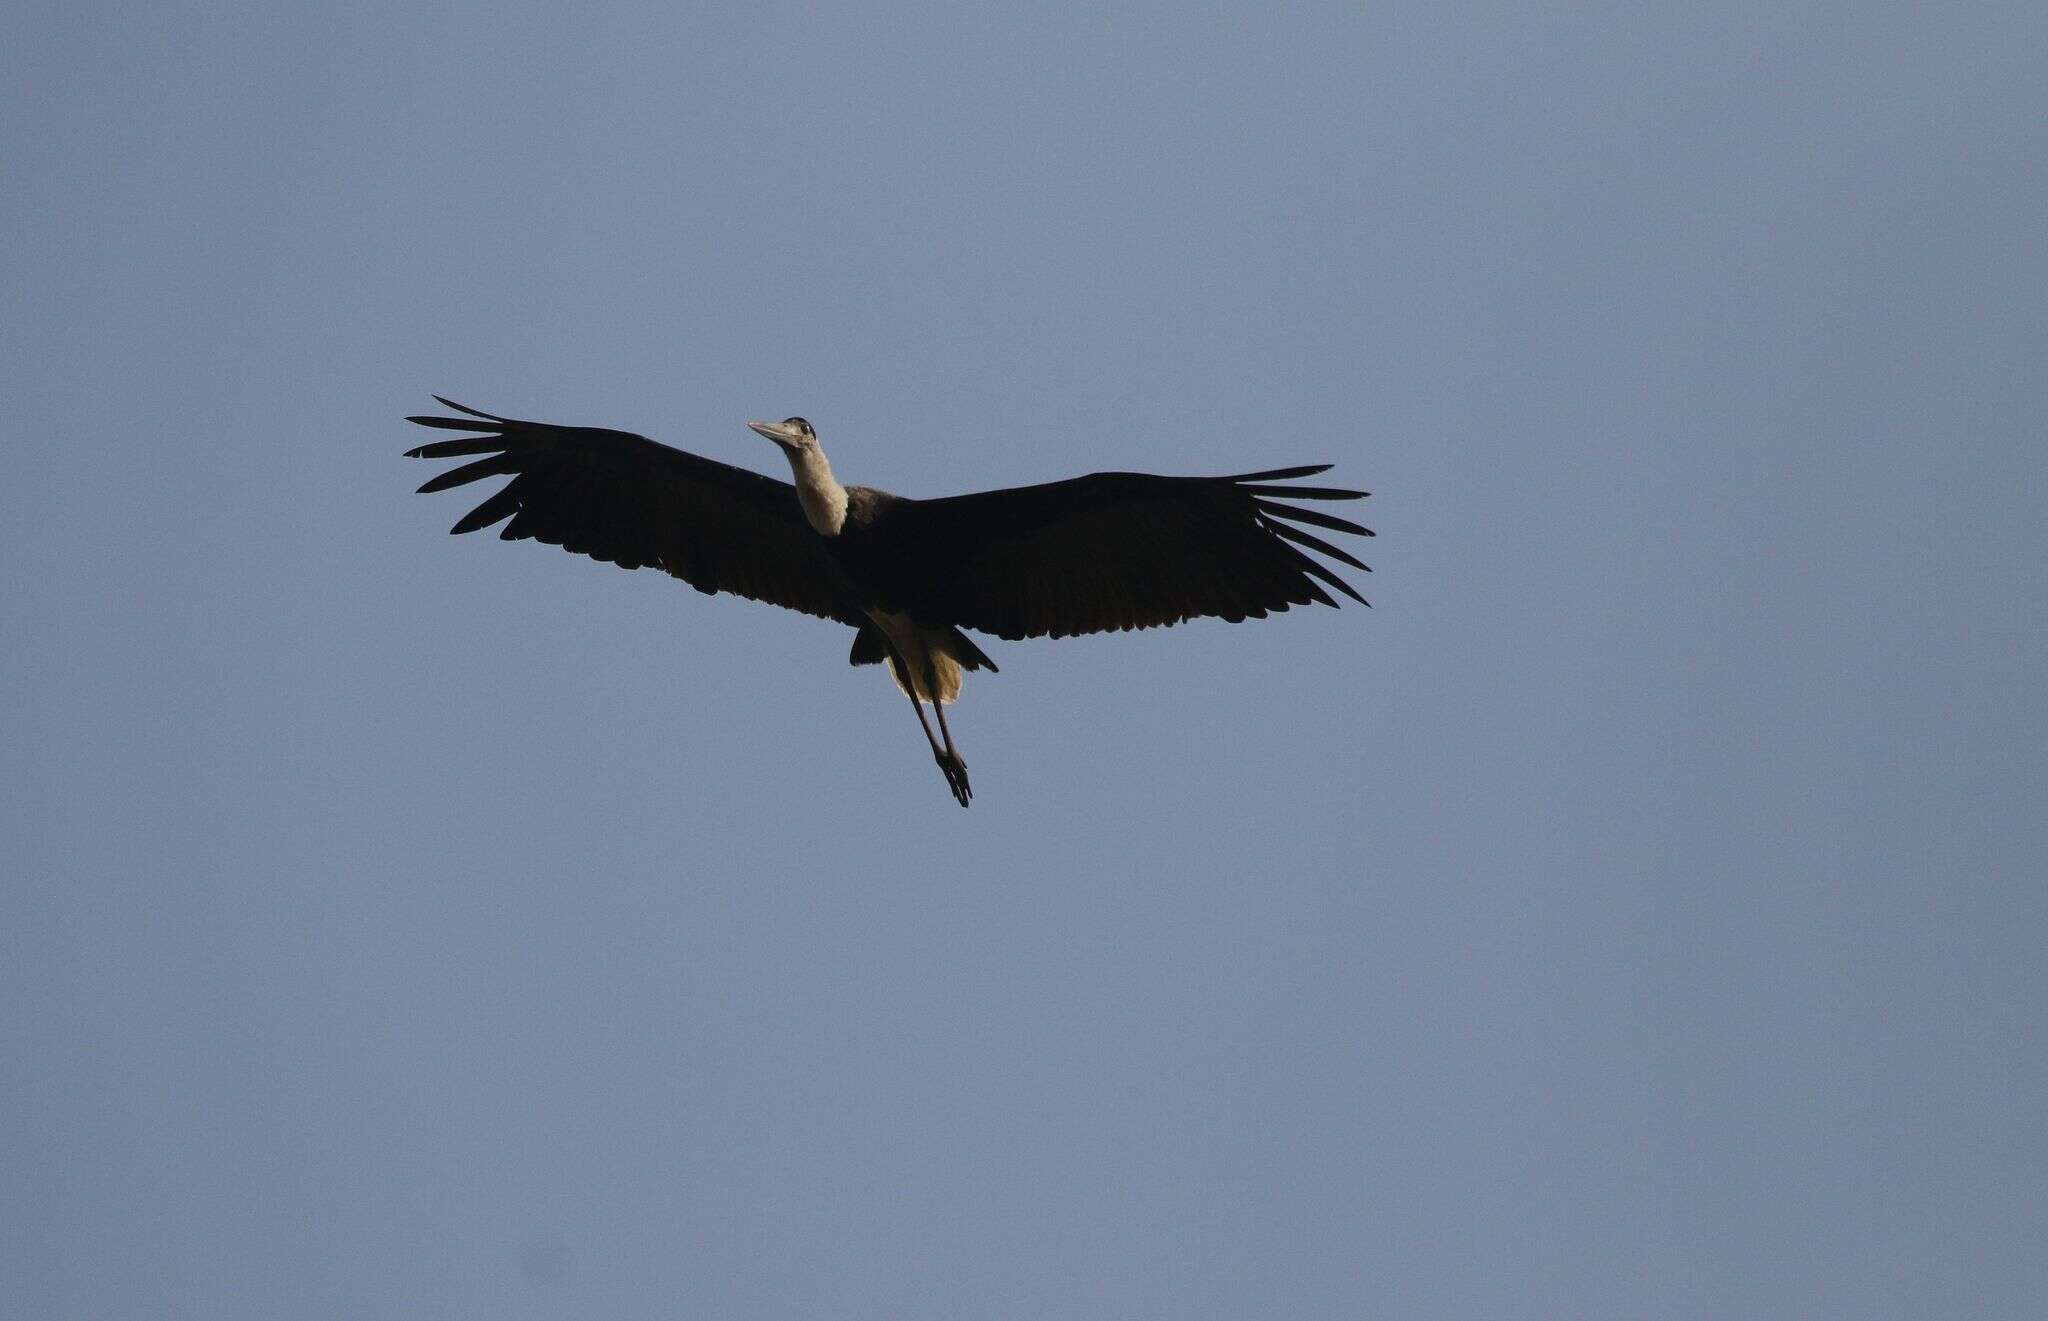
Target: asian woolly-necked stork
[(1109, 551)]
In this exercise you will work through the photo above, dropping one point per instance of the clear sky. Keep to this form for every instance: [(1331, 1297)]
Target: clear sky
[(1638, 913)]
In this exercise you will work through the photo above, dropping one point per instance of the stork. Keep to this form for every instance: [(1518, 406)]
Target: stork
[(1109, 551)]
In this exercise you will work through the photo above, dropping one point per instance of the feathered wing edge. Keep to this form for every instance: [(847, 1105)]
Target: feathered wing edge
[(1267, 497), (744, 535), (1117, 551)]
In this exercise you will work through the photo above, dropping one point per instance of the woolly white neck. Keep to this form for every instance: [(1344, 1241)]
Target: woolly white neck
[(823, 498)]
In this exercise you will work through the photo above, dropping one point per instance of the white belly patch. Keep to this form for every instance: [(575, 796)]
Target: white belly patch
[(919, 647)]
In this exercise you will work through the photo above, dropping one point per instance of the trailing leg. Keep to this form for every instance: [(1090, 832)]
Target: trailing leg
[(949, 762), (956, 772)]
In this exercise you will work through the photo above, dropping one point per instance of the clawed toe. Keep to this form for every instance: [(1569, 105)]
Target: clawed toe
[(955, 771)]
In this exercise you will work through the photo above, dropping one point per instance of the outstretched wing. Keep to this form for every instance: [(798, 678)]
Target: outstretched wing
[(1114, 550), (629, 501)]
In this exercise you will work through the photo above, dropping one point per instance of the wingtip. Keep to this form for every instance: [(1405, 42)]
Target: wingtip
[(1282, 474), (1288, 492), (1274, 509), (445, 401)]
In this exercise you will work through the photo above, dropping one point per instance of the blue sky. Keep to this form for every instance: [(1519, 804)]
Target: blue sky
[(1637, 913)]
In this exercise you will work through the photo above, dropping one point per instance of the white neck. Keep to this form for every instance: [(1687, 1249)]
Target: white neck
[(823, 498)]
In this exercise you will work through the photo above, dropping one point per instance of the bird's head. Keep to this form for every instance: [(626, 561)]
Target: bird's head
[(823, 499), (792, 433)]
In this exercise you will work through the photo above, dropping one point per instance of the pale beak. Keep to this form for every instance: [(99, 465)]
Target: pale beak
[(782, 435)]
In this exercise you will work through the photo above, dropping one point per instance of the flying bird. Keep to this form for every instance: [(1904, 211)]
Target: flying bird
[(1094, 554)]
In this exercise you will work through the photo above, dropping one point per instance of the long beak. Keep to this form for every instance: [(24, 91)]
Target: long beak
[(782, 435)]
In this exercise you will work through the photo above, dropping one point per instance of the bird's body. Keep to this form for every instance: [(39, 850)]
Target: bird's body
[(932, 651), (1091, 554), (851, 523)]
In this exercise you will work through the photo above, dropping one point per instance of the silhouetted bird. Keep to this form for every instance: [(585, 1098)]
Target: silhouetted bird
[(1113, 550)]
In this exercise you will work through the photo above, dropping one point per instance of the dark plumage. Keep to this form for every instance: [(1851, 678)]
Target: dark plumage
[(629, 501), (1091, 554)]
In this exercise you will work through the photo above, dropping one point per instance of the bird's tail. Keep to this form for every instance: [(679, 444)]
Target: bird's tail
[(951, 651)]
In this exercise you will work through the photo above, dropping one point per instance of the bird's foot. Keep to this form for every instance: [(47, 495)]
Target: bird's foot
[(955, 771)]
